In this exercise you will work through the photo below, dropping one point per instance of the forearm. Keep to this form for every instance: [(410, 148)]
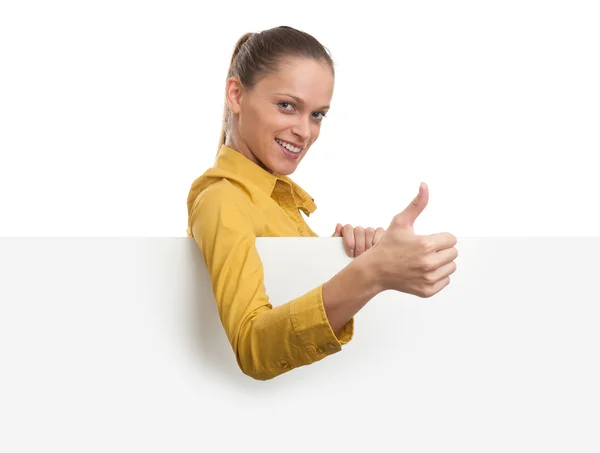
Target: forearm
[(275, 340), (350, 290)]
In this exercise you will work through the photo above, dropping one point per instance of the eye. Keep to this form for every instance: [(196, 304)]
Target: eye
[(319, 113), (284, 106)]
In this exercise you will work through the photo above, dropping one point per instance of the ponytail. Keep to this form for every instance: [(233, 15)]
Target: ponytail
[(226, 112)]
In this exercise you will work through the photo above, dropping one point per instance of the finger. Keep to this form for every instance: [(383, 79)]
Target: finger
[(441, 241), (378, 235), (438, 286), (369, 237), (446, 256), (348, 234), (359, 241), (407, 218), (442, 272), (338, 231)]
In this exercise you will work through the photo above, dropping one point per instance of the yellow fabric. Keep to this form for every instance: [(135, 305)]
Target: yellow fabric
[(230, 205)]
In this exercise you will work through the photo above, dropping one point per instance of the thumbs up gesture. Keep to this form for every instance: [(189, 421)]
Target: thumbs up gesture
[(413, 264)]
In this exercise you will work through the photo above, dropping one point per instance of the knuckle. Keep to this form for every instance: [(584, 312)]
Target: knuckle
[(397, 220), (429, 278), (426, 292), (425, 244), (427, 265), (430, 291)]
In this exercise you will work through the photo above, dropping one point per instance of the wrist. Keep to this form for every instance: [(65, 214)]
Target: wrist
[(371, 272)]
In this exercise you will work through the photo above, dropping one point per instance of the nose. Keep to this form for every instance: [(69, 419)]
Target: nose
[(302, 129)]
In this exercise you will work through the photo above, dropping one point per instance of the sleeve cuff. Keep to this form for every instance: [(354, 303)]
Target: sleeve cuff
[(312, 326)]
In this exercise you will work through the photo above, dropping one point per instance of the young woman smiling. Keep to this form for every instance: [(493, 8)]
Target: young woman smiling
[(278, 90)]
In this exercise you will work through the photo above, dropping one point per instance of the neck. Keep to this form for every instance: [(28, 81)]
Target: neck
[(235, 143)]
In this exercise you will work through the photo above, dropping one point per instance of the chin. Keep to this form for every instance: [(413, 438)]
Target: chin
[(282, 165), (284, 169)]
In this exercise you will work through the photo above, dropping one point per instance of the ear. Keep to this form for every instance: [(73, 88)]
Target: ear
[(233, 94)]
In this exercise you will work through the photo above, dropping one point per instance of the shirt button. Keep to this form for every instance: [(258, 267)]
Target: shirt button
[(283, 364), (331, 345), (320, 350)]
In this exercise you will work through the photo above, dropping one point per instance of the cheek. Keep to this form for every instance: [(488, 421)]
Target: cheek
[(252, 125), (279, 122), (247, 121), (315, 131)]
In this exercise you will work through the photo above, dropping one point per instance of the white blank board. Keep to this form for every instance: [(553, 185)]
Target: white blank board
[(114, 344)]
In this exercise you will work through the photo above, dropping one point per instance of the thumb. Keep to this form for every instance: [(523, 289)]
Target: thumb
[(338, 231), (408, 217)]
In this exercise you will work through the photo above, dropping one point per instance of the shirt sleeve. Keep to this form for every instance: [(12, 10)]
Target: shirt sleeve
[(266, 341)]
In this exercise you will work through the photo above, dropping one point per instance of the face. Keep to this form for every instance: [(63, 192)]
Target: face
[(276, 122)]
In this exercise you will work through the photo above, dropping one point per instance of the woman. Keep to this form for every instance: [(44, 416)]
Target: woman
[(278, 90)]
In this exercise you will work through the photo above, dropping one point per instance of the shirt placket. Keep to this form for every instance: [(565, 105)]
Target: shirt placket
[(290, 206)]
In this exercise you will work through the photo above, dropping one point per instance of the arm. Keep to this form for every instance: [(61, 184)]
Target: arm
[(349, 290), (266, 341)]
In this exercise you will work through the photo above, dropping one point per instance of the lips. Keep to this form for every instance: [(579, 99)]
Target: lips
[(296, 148), (287, 152)]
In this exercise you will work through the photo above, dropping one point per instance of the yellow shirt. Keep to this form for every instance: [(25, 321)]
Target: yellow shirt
[(230, 205)]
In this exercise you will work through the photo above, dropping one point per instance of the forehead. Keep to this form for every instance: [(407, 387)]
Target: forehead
[(307, 79)]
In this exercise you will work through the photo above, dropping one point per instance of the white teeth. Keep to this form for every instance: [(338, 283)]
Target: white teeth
[(288, 146)]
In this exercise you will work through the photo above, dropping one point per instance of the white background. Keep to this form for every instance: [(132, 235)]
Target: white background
[(109, 110)]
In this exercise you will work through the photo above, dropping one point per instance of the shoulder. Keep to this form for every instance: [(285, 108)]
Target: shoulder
[(227, 203), (221, 194)]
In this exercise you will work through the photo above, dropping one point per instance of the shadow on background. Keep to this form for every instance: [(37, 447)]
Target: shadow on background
[(211, 351)]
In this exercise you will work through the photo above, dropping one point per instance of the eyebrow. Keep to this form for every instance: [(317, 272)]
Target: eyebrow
[(300, 101)]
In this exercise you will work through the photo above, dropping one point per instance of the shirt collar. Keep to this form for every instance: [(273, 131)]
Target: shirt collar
[(233, 161)]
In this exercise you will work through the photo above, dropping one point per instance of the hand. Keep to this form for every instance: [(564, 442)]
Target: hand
[(406, 262), (358, 240)]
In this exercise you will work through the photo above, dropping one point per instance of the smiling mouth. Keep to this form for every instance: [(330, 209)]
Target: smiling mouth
[(288, 146)]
